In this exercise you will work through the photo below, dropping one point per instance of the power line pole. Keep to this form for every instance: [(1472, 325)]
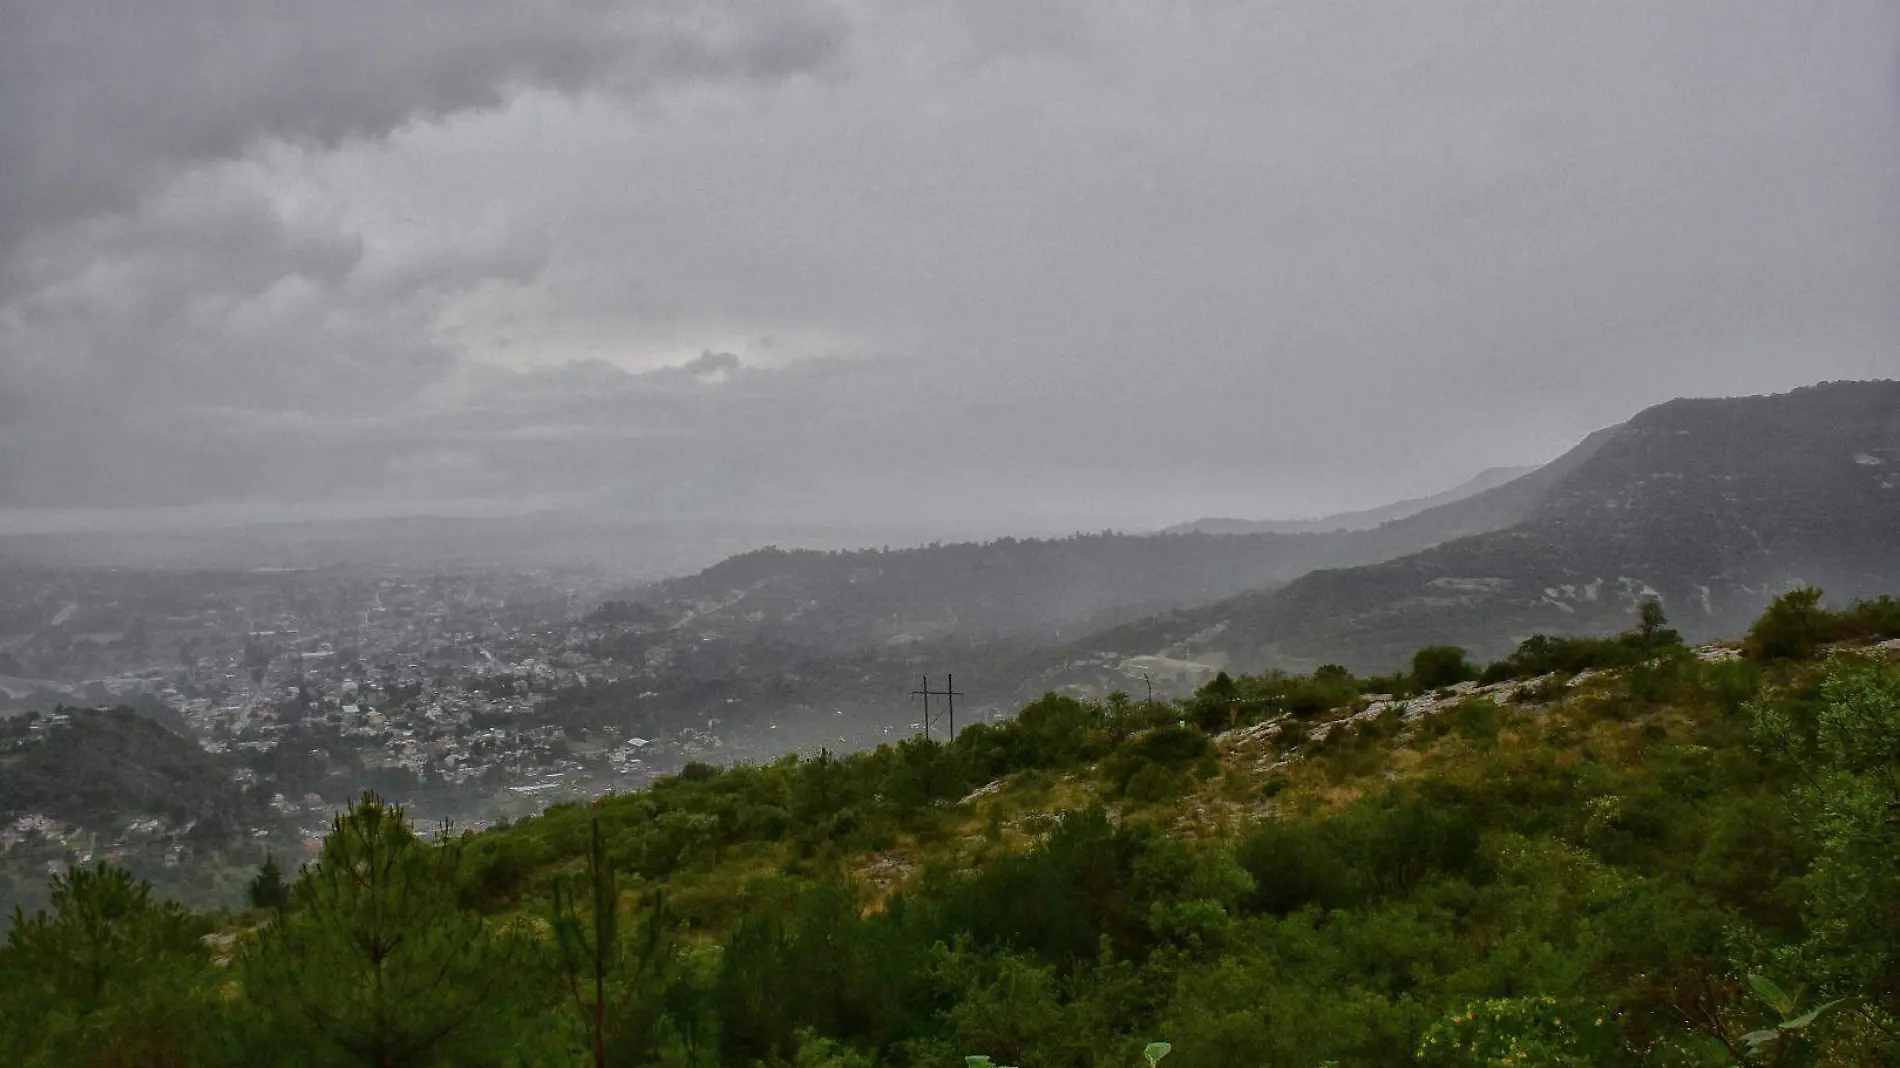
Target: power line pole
[(950, 694), (923, 691)]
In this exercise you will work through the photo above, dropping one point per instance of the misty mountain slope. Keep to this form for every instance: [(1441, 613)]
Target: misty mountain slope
[(1364, 519), (1812, 472), (777, 637), (1497, 508), (1036, 589), (838, 601), (1711, 505)]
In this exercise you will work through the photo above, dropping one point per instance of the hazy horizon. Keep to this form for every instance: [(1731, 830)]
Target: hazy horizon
[(204, 518)]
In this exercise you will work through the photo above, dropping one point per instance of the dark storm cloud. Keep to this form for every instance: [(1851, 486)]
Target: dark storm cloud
[(1089, 263), (100, 99), (153, 288)]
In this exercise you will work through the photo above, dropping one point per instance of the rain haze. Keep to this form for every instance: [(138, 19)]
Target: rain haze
[(949, 533), (976, 267)]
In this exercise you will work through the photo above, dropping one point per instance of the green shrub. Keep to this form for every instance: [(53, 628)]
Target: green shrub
[(1795, 626), (1731, 685), (1544, 654), (1170, 749), (1476, 720), (1293, 865), (1792, 628), (1542, 693), (1437, 666), (1214, 706), (1877, 619), (1155, 783)]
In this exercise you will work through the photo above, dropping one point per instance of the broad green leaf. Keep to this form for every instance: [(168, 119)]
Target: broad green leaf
[(1156, 1051), (1806, 1018), (1775, 997)]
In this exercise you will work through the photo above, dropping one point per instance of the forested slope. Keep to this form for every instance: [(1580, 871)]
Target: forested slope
[(84, 784)]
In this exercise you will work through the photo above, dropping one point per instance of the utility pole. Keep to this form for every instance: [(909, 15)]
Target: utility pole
[(923, 691), (949, 693)]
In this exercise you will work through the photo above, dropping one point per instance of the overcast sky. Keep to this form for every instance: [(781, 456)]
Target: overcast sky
[(1016, 265)]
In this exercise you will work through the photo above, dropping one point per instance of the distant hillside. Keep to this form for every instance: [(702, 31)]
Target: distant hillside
[(82, 785), (1712, 505), (1498, 508), (771, 638), (92, 766), (1035, 589), (1040, 590), (1364, 519)]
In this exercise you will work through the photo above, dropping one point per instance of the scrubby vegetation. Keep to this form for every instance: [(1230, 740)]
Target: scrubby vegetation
[(1620, 853)]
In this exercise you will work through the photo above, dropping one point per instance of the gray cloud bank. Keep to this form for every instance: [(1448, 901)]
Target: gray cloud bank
[(1015, 264)]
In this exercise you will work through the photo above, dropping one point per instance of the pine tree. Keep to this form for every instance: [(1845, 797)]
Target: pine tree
[(602, 974), (106, 972), (267, 889), (375, 962)]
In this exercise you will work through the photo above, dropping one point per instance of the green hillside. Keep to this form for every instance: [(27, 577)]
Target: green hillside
[(103, 765), (1613, 852), (80, 784)]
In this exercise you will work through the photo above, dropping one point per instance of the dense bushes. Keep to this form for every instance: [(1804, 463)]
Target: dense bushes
[(1542, 654), (1380, 849), (1226, 702), (1155, 765), (1437, 666), (1796, 625)]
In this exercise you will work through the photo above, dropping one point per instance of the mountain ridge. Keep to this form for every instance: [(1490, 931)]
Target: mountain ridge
[(1358, 519), (1033, 589), (1712, 505)]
